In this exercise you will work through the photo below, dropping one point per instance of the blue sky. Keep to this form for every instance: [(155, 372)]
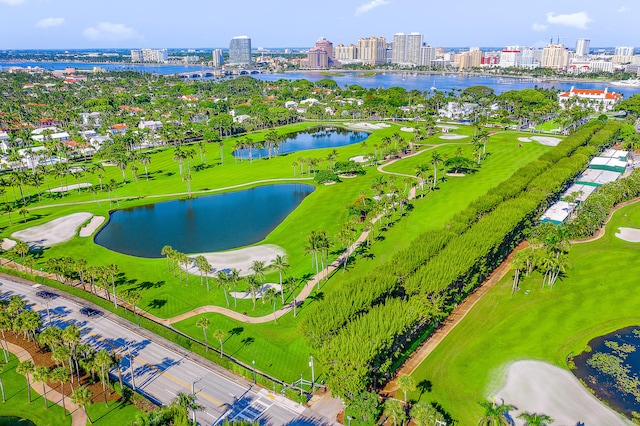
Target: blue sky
[(71, 24)]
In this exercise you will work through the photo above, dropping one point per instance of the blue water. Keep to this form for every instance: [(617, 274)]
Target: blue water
[(422, 82), (204, 224), (317, 137)]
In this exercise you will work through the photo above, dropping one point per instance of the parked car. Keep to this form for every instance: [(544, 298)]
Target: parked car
[(90, 312), (46, 294)]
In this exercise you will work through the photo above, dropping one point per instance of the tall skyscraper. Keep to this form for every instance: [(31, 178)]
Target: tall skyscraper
[(149, 55), (555, 56), (240, 51), (623, 54), (414, 43), (427, 55), (399, 48), (320, 57), (372, 50), (582, 47), (217, 57)]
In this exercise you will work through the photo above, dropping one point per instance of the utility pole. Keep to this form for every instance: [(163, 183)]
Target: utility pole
[(133, 382), (313, 376), (253, 362)]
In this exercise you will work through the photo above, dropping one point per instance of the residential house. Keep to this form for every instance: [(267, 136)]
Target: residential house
[(119, 128)]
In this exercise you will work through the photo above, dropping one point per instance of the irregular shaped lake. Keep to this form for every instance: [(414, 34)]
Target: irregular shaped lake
[(612, 369), (313, 138), (204, 224)]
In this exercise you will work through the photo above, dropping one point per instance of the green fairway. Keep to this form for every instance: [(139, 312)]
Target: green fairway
[(278, 349), (596, 296)]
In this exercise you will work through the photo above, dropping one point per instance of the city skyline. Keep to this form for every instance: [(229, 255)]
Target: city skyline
[(43, 24)]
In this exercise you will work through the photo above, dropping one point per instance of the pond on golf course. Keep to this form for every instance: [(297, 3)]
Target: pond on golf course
[(204, 224), (15, 421), (312, 138), (611, 368)]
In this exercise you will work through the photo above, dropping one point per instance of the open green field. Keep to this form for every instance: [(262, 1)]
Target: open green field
[(278, 349), (597, 295), (549, 125)]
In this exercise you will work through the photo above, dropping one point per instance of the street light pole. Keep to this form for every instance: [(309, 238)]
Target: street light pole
[(349, 420), (193, 392), (48, 312), (313, 375), (133, 382), (253, 362)]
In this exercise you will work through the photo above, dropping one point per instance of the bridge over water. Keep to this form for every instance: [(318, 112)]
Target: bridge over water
[(217, 73)]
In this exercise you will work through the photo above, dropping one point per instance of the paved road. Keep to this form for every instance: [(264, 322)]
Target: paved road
[(161, 369)]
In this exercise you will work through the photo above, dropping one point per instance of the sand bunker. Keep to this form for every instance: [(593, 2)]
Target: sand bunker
[(631, 235), (358, 159), (381, 125), (546, 140), (539, 387), (259, 293), (407, 129), (53, 232), (524, 139), (70, 187), (7, 244), (452, 136), (91, 227), (447, 128), (238, 259), (364, 126)]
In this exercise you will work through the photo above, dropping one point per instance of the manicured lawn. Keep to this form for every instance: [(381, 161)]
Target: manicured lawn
[(597, 295), (278, 349), (15, 388)]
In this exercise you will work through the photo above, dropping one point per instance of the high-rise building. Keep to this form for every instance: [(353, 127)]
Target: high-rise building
[(510, 57), (555, 56), (149, 55), (623, 54), (471, 59), (582, 47), (399, 48), (325, 45), (216, 57), (240, 51), (414, 44), (319, 57), (427, 56), (372, 50), (531, 57), (345, 53)]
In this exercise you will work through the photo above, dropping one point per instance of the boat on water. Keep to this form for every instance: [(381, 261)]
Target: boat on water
[(626, 83)]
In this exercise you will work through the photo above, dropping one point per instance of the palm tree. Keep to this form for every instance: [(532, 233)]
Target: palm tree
[(436, 159), (22, 249), (187, 402), (494, 415), (82, 396), (406, 384), (133, 297), (204, 323), (26, 368), (234, 277), (425, 414), (395, 410), (103, 360), (61, 375), (280, 264), (270, 296), (41, 374), (258, 268), (113, 270), (534, 419), (187, 179), (220, 335), (421, 172), (254, 286)]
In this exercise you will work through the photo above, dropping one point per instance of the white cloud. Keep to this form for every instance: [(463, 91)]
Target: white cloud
[(622, 9), (577, 20), (539, 27), (108, 31), (49, 22), (12, 2), (367, 7)]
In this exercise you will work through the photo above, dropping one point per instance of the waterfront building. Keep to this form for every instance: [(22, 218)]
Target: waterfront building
[(470, 59), (240, 51), (531, 57), (372, 50), (344, 53), (597, 100), (623, 54), (216, 57), (511, 57), (414, 44), (319, 57), (582, 47), (555, 56), (149, 55), (399, 48), (427, 56)]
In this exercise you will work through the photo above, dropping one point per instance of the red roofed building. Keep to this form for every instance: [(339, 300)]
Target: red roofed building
[(598, 100), (119, 128)]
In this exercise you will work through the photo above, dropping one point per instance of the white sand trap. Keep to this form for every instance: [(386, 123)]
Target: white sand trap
[(240, 259), (539, 387), (447, 128), (70, 187), (408, 129), (259, 293), (8, 244), (524, 139), (91, 227), (363, 126), (546, 140), (631, 235), (348, 176), (381, 125), (358, 159), (452, 136), (53, 232)]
